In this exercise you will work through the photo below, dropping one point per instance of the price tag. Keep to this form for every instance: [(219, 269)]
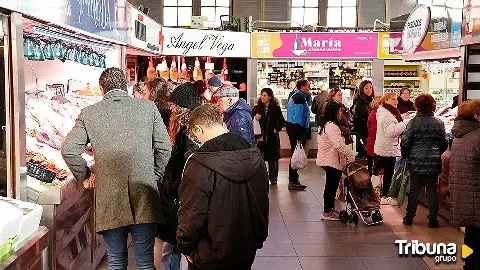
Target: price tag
[(210, 66)]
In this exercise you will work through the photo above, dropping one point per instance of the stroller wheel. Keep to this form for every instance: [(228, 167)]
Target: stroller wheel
[(343, 215), (354, 218), (366, 214), (377, 217)]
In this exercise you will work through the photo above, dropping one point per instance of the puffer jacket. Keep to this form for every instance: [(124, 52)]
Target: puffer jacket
[(389, 131), (238, 119), (465, 174), (223, 215), (423, 143), (332, 150), (361, 110)]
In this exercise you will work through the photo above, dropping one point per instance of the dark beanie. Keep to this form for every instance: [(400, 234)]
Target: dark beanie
[(185, 96)]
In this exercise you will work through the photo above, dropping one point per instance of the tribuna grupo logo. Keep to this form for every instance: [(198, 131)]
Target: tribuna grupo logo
[(442, 253)]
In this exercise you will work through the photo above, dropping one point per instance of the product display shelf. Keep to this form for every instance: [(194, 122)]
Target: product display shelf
[(68, 209), (400, 74)]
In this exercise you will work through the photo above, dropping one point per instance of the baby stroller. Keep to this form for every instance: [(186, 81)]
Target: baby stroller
[(360, 197)]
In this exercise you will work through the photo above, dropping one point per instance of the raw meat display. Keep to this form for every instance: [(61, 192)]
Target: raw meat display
[(174, 70), (48, 120)]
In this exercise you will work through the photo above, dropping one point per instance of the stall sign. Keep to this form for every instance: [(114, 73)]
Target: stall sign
[(210, 43), (315, 45), (144, 33), (416, 28), (105, 18), (384, 46)]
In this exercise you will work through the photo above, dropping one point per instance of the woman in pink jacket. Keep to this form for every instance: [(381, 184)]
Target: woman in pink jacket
[(332, 156)]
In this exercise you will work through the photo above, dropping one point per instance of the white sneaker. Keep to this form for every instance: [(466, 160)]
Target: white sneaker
[(388, 201), (330, 216)]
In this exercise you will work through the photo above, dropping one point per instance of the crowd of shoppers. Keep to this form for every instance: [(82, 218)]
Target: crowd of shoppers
[(192, 164)]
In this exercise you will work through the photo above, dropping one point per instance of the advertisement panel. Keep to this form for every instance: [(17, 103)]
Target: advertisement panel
[(144, 32), (384, 46), (105, 18), (209, 43), (315, 45)]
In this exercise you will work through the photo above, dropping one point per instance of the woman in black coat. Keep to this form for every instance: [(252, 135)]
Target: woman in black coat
[(269, 114), (361, 110)]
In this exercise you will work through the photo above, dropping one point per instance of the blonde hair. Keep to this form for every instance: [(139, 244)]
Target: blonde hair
[(387, 96), (178, 120), (376, 102), (333, 93)]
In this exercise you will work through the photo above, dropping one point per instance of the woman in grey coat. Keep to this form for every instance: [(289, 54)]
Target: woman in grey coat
[(422, 144)]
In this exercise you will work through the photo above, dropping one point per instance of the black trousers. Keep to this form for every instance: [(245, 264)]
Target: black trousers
[(417, 181), (387, 164), (331, 185), (370, 161), (246, 265), (472, 240), (293, 173)]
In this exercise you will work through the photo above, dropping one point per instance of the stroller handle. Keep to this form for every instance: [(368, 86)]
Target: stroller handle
[(357, 135)]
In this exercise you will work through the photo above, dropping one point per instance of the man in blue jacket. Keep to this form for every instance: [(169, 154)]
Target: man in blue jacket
[(298, 124), (237, 114)]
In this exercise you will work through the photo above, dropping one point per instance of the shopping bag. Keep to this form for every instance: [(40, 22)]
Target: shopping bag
[(299, 158), (377, 184), (257, 130), (340, 196)]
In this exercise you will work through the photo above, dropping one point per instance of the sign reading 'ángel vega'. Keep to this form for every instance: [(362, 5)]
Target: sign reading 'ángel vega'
[(190, 42)]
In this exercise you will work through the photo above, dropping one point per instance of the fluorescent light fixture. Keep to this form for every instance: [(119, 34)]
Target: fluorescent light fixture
[(57, 35)]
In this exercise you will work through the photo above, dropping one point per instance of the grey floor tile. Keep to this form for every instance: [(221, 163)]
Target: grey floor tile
[(324, 250), (375, 263), (317, 238), (320, 226), (277, 250), (317, 263), (276, 263), (376, 250)]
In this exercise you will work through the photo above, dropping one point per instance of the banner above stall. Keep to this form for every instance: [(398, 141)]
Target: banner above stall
[(427, 28), (315, 45), (209, 43), (384, 46), (104, 18), (143, 32)]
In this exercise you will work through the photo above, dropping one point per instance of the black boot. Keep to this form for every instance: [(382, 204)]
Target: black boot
[(407, 221), (433, 223)]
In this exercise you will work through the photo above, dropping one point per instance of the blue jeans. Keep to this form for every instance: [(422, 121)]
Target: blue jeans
[(143, 236), (171, 257), (273, 170)]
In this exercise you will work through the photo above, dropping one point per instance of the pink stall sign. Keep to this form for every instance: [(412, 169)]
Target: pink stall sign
[(327, 45)]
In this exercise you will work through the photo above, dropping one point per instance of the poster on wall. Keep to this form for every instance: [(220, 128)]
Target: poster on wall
[(315, 45), (471, 22), (209, 43), (384, 46)]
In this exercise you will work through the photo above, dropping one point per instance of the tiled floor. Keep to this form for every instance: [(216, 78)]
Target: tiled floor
[(298, 239)]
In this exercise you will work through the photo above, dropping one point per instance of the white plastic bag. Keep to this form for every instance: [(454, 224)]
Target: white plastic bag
[(257, 130), (299, 158)]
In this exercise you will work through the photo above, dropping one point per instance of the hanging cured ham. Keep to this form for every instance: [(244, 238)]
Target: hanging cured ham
[(208, 72), (184, 76), (225, 69), (174, 70), (163, 69), (197, 71), (151, 72)]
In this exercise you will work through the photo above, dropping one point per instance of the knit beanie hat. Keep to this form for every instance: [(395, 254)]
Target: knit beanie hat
[(185, 96), (228, 91)]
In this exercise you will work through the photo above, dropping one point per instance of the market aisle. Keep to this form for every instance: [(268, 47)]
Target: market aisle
[(298, 239)]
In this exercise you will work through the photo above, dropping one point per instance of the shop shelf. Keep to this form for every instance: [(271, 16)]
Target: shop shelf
[(401, 78)]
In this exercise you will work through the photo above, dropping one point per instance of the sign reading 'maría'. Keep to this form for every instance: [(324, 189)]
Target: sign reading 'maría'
[(205, 43)]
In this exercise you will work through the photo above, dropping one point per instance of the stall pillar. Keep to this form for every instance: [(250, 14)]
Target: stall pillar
[(251, 81), (16, 122), (377, 76)]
